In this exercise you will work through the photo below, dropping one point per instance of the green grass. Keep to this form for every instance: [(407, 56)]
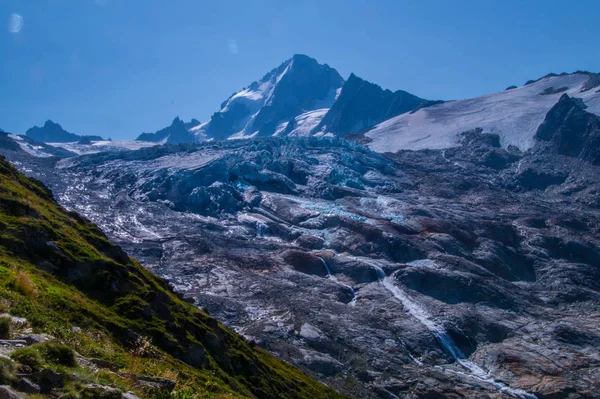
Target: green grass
[(29, 359), (59, 271)]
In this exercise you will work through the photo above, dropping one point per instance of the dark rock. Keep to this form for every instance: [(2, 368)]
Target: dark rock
[(7, 392), (48, 379), (54, 133), (569, 130), (25, 385), (177, 133), (361, 105), (476, 138), (553, 90), (536, 179), (305, 262)]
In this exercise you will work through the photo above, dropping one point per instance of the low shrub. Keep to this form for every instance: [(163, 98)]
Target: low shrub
[(56, 353), (28, 357), (24, 285), (7, 369)]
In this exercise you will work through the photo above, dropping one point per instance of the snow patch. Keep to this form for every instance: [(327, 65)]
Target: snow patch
[(513, 114)]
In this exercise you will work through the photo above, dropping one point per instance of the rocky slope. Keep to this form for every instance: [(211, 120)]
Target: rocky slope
[(569, 130), (60, 275), (178, 132), (362, 105), (54, 133), (464, 272)]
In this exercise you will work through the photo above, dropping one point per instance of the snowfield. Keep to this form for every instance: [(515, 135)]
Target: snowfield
[(513, 114), (106, 145), (36, 151)]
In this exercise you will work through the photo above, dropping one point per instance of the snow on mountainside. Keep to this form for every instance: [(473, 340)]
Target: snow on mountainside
[(298, 86), (104, 146), (514, 115)]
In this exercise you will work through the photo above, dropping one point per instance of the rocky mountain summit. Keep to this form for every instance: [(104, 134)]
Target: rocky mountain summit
[(54, 133), (299, 98), (178, 132)]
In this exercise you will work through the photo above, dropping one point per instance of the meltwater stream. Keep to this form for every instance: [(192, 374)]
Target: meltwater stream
[(333, 278), (421, 314)]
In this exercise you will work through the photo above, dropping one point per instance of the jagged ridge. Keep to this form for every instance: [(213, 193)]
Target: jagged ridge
[(54, 133)]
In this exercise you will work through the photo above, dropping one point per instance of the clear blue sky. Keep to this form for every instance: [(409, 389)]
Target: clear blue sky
[(117, 68)]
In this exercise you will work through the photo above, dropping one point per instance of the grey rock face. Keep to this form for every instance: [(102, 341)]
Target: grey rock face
[(26, 386), (54, 133), (569, 130), (178, 132), (361, 105), (96, 391), (298, 85)]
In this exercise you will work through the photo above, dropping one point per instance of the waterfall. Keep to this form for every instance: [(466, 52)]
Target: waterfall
[(261, 229), (423, 316), (333, 278)]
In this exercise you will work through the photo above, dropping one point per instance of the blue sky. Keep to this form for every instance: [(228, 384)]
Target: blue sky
[(117, 68)]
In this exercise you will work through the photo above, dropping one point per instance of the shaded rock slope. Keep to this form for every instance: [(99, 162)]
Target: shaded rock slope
[(178, 132), (569, 130), (61, 274), (54, 133), (361, 105)]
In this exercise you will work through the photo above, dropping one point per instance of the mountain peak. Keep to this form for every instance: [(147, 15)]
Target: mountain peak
[(177, 132), (52, 132), (297, 86), (50, 123), (362, 104), (302, 57)]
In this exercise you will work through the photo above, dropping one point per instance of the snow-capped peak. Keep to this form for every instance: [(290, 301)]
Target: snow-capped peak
[(297, 86)]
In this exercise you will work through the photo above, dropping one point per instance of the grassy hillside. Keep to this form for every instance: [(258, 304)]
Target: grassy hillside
[(61, 273)]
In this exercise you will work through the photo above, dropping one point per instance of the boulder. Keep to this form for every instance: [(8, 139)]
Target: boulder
[(95, 391), (27, 386), (48, 379), (7, 392), (35, 338), (156, 382)]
